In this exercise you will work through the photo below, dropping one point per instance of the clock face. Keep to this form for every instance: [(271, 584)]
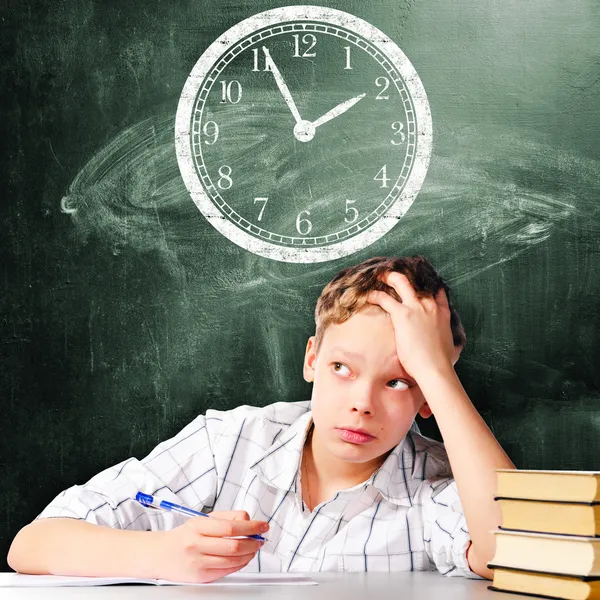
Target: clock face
[(303, 134)]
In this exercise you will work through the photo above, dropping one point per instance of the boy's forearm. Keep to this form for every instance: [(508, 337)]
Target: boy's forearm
[(78, 548), (474, 454)]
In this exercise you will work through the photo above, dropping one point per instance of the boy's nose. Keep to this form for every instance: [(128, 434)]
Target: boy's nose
[(364, 402)]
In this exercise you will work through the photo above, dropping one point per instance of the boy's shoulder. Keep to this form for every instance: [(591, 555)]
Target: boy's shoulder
[(279, 413), (253, 433), (263, 421)]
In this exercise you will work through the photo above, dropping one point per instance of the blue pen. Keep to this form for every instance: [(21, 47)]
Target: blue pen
[(148, 500)]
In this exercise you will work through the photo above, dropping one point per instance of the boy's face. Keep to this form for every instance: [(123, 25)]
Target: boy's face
[(360, 386)]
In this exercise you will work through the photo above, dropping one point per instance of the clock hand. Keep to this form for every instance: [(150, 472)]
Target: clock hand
[(283, 88), (338, 110)]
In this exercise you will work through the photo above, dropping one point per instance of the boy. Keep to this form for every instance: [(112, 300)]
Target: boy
[(343, 482)]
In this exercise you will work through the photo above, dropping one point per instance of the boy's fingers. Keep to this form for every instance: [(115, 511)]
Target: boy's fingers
[(442, 299), (226, 527), (232, 515), (383, 300), (218, 546), (429, 302), (218, 574), (211, 561), (402, 285)]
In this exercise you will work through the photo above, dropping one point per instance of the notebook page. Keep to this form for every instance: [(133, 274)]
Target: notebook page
[(23, 580)]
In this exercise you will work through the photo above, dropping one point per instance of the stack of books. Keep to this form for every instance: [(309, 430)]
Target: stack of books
[(549, 541)]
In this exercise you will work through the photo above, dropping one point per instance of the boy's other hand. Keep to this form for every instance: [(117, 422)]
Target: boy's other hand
[(201, 550), (421, 325)]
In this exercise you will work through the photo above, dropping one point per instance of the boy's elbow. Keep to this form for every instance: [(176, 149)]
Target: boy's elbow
[(479, 564), (17, 551), (23, 554)]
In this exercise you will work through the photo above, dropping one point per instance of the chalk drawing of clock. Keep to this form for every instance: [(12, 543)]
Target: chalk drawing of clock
[(303, 134)]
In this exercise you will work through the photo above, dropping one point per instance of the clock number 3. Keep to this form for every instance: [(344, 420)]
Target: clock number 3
[(398, 127)]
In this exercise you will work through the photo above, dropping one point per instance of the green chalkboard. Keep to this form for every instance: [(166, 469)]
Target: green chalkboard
[(125, 313)]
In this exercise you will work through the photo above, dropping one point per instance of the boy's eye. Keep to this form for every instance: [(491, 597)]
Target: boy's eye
[(398, 384), (339, 368)]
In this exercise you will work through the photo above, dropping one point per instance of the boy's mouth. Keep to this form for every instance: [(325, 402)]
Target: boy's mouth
[(354, 436)]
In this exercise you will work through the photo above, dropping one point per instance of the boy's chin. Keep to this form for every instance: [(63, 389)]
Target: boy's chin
[(359, 453)]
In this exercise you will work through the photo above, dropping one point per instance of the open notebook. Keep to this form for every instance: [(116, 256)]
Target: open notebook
[(21, 580)]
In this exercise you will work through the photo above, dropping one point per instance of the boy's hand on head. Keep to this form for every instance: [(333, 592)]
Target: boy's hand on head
[(421, 325), (202, 550)]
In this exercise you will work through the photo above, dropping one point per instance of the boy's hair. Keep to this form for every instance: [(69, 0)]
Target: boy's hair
[(346, 294)]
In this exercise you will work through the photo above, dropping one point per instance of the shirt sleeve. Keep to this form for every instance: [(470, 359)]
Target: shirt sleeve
[(180, 470), (445, 528)]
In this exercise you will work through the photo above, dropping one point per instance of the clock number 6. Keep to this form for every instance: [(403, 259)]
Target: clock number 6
[(301, 222)]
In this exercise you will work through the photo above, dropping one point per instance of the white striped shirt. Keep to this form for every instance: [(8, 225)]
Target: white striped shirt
[(406, 516)]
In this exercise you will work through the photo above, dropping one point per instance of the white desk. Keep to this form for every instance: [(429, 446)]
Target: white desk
[(421, 585)]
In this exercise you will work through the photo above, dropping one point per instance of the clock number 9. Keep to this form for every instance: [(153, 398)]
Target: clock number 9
[(215, 132), (227, 89), (309, 38), (225, 181), (398, 127), (385, 83), (301, 222)]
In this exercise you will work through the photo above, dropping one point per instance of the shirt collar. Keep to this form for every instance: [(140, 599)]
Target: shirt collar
[(278, 465), (395, 479)]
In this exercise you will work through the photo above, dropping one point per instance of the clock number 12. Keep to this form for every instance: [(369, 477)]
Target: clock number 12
[(309, 38)]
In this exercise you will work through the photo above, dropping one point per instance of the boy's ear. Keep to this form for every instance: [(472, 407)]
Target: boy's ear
[(425, 411), (309, 360)]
